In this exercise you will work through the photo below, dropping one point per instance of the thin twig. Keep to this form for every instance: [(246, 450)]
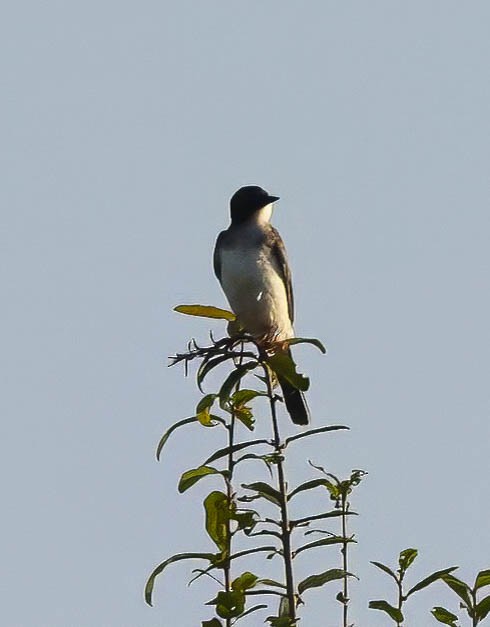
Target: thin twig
[(285, 526), (345, 545)]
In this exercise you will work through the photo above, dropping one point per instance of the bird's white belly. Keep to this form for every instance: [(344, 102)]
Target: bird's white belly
[(256, 293)]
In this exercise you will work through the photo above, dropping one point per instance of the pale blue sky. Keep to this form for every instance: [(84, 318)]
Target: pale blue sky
[(125, 127)]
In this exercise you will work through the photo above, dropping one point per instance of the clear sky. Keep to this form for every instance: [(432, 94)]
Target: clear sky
[(125, 128)]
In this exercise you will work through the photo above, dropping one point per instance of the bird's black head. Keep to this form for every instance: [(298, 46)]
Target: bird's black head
[(248, 200)]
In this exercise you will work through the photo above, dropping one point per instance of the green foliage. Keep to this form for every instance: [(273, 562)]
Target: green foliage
[(190, 477), (234, 448), (315, 581), (461, 588), (238, 407), (246, 581), (307, 340), (444, 616), (232, 381), (477, 610), (482, 609), (393, 612), (207, 365), (311, 432), (482, 579), (160, 568), (203, 409), (263, 490), (167, 433), (281, 621), (227, 516), (229, 604), (439, 574), (405, 560), (325, 542), (307, 485), (223, 518), (217, 508), (205, 311), (283, 365)]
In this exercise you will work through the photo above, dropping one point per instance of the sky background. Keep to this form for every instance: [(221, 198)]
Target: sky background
[(125, 127)]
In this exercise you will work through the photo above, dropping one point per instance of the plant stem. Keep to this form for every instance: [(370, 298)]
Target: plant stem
[(285, 526), (229, 494), (474, 617), (345, 561), (400, 595)]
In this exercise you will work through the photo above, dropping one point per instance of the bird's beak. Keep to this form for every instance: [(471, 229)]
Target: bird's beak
[(273, 198)]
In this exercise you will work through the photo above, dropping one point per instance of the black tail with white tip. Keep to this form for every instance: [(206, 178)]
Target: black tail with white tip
[(295, 403)]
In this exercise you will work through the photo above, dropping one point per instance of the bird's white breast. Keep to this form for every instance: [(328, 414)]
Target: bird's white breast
[(256, 291)]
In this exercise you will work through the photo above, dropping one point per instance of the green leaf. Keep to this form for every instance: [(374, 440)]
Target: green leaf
[(482, 579), (406, 558), (190, 477), (444, 616), (220, 559), (283, 618), (393, 612), (175, 558), (203, 408), (272, 583), (258, 549), (206, 419), (281, 621), (255, 608), (460, 587), (265, 490), (246, 520), (205, 311), (167, 433), (307, 340), (385, 569), (222, 452), (430, 579), (483, 608), (246, 581), (313, 432), (268, 460), (266, 532), (335, 513), (324, 542), (245, 416), (217, 507), (308, 485), (335, 491), (283, 365), (315, 581), (285, 608), (356, 477), (207, 365), (242, 397), (214, 622), (231, 381), (206, 402), (229, 604)]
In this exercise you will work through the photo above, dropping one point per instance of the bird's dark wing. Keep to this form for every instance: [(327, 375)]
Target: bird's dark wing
[(278, 251), (217, 255)]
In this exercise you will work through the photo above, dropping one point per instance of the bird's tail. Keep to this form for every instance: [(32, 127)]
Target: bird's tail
[(295, 403)]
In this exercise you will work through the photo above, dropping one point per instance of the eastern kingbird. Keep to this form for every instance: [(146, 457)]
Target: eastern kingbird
[(251, 265)]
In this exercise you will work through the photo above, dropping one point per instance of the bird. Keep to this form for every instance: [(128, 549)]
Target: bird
[(251, 265)]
